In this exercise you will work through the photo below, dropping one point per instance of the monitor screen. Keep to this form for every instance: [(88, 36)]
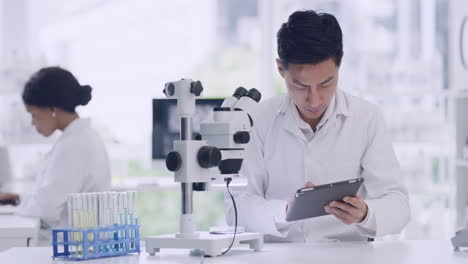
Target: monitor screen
[(166, 122)]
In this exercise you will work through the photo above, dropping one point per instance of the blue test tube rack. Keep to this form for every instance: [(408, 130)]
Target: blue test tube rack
[(124, 239)]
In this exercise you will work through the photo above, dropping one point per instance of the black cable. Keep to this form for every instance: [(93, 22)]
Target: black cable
[(228, 180)]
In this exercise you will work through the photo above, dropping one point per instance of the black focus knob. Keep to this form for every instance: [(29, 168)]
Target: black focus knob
[(173, 161), (208, 157), (170, 89), (242, 137), (254, 94), (197, 136), (199, 186), (196, 88)]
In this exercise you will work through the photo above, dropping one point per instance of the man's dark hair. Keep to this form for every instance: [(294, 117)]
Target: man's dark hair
[(310, 38), (56, 87)]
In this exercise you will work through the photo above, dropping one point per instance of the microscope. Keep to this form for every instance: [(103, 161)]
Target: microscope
[(196, 160), (230, 131)]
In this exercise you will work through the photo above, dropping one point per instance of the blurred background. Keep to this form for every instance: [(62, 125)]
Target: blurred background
[(408, 56)]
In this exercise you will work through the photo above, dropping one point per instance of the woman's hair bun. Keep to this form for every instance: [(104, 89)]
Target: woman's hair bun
[(85, 94)]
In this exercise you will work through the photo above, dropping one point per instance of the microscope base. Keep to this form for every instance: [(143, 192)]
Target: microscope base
[(208, 244)]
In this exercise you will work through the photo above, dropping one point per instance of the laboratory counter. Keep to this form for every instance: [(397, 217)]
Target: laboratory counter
[(414, 251), (18, 231)]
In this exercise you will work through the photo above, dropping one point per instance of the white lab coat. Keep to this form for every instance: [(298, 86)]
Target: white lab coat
[(78, 162), (351, 142)]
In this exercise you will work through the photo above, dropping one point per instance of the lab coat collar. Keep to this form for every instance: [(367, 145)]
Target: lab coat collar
[(294, 122), (342, 107), (76, 125), (302, 124)]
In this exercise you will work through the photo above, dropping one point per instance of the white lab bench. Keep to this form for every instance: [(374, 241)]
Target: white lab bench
[(381, 252), (18, 231)]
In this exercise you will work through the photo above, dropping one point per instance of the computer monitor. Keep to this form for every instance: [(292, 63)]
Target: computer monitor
[(166, 122)]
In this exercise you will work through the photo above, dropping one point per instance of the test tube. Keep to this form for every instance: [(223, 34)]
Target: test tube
[(131, 213), (99, 218), (70, 220), (95, 213), (101, 209), (111, 208), (85, 210), (106, 217), (126, 213), (91, 210), (121, 208), (107, 208), (85, 216), (125, 208), (90, 198), (70, 211), (77, 221), (135, 208), (115, 216), (95, 210), (121, 215), (130, 208)]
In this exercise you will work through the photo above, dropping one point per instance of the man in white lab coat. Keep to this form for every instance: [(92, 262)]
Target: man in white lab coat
[(317, 134)]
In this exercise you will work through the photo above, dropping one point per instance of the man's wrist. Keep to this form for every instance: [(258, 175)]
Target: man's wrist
[(365, 214)]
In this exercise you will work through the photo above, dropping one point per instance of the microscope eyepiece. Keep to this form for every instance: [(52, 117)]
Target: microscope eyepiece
[(254, 94), (241, 91)]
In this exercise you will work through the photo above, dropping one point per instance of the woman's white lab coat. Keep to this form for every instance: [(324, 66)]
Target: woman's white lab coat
[(78, 162), (351, 142)]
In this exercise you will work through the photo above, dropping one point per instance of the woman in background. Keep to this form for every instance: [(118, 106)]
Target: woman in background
[(78, 161)]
